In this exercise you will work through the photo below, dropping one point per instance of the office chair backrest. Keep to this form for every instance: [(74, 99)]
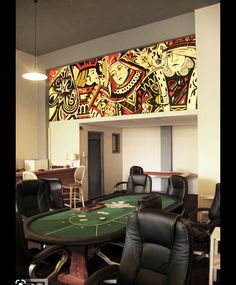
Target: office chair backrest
[(158, 249), (79, 174), (27, 175), (136, 170), (152, 201), (214, 212), (31, 198), (23, 256), (53, 188), (139, 183), (177, 186)]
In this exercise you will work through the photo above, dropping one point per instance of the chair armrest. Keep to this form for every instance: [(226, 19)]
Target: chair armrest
[(107, 272), (45, 253), (116, 187), (111, 247), (192, 213)]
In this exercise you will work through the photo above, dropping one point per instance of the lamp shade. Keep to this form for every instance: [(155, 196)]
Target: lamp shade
[(34, 76)]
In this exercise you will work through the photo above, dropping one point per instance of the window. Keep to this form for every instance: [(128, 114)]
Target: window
[(115, 143)]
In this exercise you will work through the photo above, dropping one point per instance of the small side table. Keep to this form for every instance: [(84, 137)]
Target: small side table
[(214, 255)]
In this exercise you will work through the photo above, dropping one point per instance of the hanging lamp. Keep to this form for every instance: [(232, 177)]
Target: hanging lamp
[(35, 75)]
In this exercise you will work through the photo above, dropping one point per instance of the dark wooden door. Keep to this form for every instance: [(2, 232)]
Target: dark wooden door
[(95, 164)]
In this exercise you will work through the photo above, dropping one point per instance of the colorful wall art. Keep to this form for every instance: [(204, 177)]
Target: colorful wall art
[(157, 78)]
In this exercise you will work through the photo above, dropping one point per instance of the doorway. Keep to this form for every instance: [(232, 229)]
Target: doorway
[(95, 164)]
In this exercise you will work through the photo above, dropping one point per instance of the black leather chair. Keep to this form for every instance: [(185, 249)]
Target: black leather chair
[(35, 263), (202, 230), (122, 185), (53, 189), (178, 187), (31, 198), (137, 183), (111, 252), (158, 250)]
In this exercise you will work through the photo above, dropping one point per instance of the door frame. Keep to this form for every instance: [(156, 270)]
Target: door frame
[(101, 135)]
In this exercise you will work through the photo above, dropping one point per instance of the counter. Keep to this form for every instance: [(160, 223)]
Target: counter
[(66, 175)]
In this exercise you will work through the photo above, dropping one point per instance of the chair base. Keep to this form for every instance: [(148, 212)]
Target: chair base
[(199, 255)]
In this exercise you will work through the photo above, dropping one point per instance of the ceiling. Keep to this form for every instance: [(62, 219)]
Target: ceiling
[(63, 23)]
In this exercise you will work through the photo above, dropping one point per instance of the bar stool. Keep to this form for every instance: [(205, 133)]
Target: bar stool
[(26, 175), (75, 188)]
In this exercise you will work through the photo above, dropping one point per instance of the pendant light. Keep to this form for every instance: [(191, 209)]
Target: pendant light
[(35, 75)]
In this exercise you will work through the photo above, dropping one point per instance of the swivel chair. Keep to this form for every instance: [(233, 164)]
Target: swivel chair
[(111, 252), (157, 250), (53, 188), (122, 185), (75, 188), (31, 199), (178, 187), (137, 183), (202, 230), (35, 263)]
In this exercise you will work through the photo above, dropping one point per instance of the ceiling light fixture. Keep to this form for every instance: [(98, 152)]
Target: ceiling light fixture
[(35, 75)]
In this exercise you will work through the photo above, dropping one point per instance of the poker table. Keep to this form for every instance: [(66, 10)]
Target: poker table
[(105, 221), (80, 228)]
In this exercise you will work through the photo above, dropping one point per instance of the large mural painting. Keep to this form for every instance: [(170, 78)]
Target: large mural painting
[(157, 78)]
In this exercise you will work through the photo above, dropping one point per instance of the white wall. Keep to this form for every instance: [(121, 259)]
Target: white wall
[(185, 153), (208, 65), (63, 138), (26, 111), (142, 146)]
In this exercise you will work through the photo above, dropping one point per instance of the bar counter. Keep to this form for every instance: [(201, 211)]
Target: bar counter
[(65, 174)]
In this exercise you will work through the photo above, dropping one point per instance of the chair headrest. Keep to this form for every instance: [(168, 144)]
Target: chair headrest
[(139, 179), (157, 226), (136, 170), (30, 186), (152, 201)]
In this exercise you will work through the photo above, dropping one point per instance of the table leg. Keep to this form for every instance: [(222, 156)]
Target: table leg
[(211, 262), (71, 194), (78, 270)]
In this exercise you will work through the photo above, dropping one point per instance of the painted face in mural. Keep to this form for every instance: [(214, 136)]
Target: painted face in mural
[(92, 77), (175, 61), (119, 72), (179, 61)]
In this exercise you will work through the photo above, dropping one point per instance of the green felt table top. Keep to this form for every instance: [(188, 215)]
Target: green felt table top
[(75, 226)]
